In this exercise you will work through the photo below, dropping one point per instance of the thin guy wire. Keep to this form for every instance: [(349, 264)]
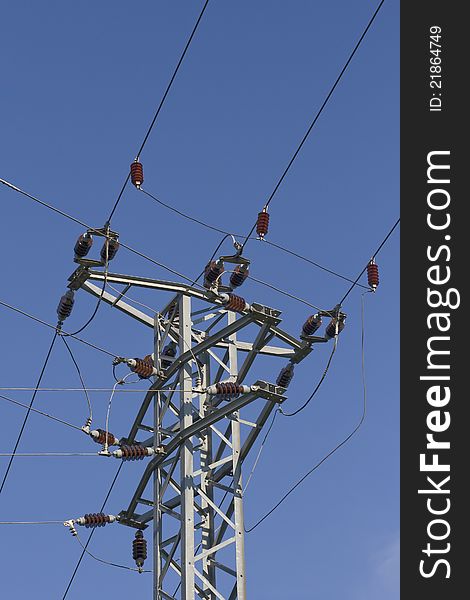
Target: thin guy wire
[(338, 446), (40, 412), (91, 533), (107, 562), (90, 411), (317, 387), (12, 456), (54, 327), (162, 101), (373, 256), (325, 102)]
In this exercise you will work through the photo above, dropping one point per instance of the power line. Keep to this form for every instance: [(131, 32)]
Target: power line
[(228, 233), (31, 522), (90, 411), (77, 566), (310, 261), (284, 293), (338, 446), (373, 256), (47, 454), (40, 412), (317, 387), (54, 327), (28, 412), (92, 229), (107, 562), (312, 124), (162, 101), (186, 216)]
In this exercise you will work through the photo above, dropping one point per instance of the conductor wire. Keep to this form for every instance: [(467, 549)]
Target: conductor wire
[(20, 434), (90, 411), (39, 412), (319, 112), (338, 446), (162, 101), (107, 562)]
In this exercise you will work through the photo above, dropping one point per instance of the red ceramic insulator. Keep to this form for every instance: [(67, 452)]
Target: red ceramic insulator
[(330, 331), (285, 376), (238, 277), (110, 252), (143, 367), (262, 224), (102, 438), (83, 245), (311, 325), (65, 305), (373, 274), (229, 389), (96, 520), (212, 272), (139, 548), (137, 174), (235, 303), (134, 452)]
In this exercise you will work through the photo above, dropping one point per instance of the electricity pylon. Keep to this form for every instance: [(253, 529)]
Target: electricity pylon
[(191, 489)]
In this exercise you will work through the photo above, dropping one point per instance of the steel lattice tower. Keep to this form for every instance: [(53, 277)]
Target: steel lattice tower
[(192, 489)]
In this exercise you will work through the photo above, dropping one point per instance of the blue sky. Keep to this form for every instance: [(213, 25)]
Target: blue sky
[(80, 82)]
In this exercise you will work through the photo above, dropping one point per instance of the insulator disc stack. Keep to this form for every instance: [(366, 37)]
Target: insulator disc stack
[(262, 224), (311, 325), (330, 331), (285, 376), (143, 367), (235, 303), (65, 305), (100, 437), (96, 520), (168, 351), (139, 549), (83, 245), (238, 277), (373, 274), (212, 272), (135, 452), (137, 174), (112, 248)]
